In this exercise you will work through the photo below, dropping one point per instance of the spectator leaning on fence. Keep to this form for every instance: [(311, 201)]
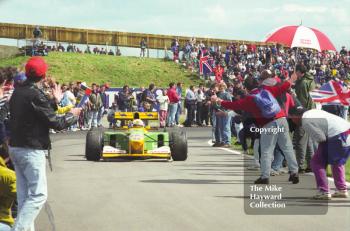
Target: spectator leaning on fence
[(268, 140), (32, 114), (331, 133)]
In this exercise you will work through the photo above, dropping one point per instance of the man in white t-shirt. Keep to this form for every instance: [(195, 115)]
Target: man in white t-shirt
[(331, 132)]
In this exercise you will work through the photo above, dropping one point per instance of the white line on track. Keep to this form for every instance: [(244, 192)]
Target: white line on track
[(226, 149), (251, 157)]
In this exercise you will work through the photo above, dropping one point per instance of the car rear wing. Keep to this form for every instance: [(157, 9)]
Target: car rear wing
[(136, 115)]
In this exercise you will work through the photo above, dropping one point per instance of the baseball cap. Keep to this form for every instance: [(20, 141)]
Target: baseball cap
[(36, 67)]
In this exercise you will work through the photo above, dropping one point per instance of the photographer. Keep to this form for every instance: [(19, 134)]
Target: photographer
[(32, 115), (125, 98)]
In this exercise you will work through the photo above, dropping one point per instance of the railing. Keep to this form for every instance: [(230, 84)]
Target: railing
[(103, 37)]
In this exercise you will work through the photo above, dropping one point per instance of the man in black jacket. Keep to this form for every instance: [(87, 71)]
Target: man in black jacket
[(32, 114)]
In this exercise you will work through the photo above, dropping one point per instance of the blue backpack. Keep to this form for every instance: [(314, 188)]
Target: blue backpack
[(267, 104)]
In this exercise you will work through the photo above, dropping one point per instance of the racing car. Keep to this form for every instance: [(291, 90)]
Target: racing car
[(136, 140)]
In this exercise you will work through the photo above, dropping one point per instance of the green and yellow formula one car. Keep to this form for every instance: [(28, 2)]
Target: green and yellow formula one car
[(135, 140)]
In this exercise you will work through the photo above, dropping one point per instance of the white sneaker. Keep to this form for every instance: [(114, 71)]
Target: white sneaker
[(283, 171), (322, 196), (274, 173), (340, 194)]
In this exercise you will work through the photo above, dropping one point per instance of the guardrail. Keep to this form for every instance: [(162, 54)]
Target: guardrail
[(103, 37)]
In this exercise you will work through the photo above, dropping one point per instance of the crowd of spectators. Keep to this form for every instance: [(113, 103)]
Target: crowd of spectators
[(226, 102), (42, 49)]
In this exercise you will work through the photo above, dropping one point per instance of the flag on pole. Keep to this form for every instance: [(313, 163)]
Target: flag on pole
[(333, 92), (205, 67)]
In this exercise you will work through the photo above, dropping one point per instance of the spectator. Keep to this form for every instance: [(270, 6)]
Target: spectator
[(200, 98), (7, 195), (95, 103), (60, 48), (268, 140), (179, 107), (32, 114), (143, 46), (110, 52), (163, 107), (103, 109), (149, 95), (223, 119), (190, 103), (111, 115), (303, 144), (125, 99), (326, 129), (145, 107), (174, 99)]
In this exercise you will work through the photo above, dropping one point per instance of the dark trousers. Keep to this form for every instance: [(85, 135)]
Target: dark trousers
[(243, 135), (191, 108), (199, 114)]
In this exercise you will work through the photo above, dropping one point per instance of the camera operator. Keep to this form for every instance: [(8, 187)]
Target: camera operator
[(32, 114)]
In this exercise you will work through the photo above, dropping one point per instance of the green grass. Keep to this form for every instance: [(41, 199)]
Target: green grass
[(8, 51), (238, 147), (117, 71)]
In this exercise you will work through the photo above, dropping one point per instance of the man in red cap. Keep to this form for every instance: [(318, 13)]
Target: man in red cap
[(32, 115)]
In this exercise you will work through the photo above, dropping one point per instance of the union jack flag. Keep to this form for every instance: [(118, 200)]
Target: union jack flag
[(333, 92), (205, 65), (86, 96)]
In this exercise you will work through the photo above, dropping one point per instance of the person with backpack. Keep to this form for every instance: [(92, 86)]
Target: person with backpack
[(264, 108), (303, 144)]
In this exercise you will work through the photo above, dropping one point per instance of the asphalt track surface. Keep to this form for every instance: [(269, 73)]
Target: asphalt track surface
[(206, 192)]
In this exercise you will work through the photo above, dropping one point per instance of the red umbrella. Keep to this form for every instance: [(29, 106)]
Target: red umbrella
[(301, 36)]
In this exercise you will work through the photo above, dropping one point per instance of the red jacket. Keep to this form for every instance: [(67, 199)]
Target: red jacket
[(248, 104), (173, 97), (219, 71)]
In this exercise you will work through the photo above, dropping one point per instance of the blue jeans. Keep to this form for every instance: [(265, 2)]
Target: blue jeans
[(30, 165), (100, 116), (223, 129), (278, 158), (173, 107), (178, 112), (268, 142), (213, 128), (92, 121), (4, 227)]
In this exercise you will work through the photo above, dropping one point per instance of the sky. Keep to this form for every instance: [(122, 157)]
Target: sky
[(227, 19)]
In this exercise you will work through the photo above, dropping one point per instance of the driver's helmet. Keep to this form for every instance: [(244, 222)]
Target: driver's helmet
[(137, 123)]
